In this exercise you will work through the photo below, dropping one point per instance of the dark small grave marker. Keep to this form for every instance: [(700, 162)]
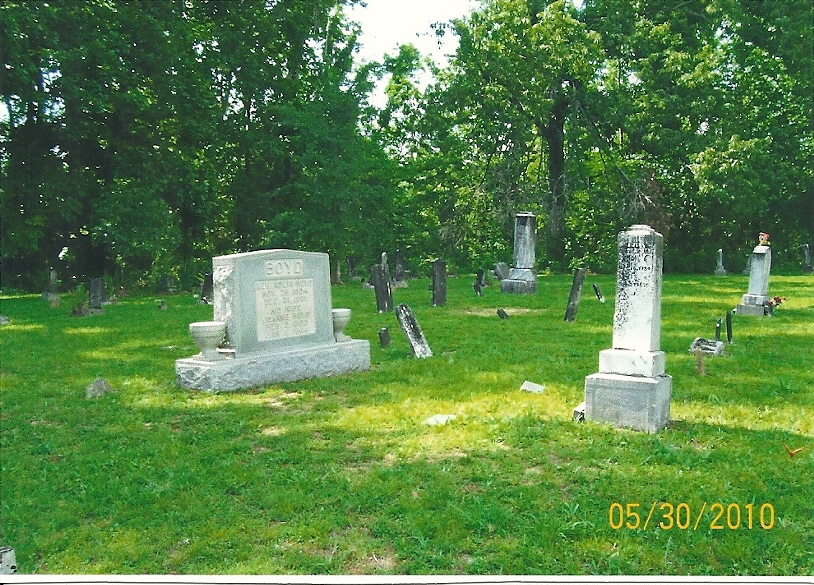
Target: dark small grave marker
[(207, 289), (97, 293), (575, 294), (502, 314), (384, 337), (381, 285), (398, 274), (481, 278), (476, 286), (718, 325), (439, 283), (598, 293), (729, 326), (806, 259), (413, 332)]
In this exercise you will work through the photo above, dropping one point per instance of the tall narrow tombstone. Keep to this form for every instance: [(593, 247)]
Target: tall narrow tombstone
[(398, 270), (575, 294), (522, 278), (381, 286), (207, 289), (351, 265), (719, 269), (480, 278), (631, 388), (386, 267), (439, 283), (598, 293), (754, 302), (729, 326), (50, 293), (806, 259), (415, 337), (276, 309), (97, 293)]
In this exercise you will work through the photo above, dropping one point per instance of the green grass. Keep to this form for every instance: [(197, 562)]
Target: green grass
[(339, 475)]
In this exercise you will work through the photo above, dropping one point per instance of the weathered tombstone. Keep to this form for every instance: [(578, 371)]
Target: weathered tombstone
[(398, 270), (207, 289), (718, 325), (502, 314), (99, 387), (97, 293), (439, 283), (501, 270), (413, 332), (386, 267), (522, 278), (748, 268), (598, 293), (4, 320), (719, 269), (276, 307), (575, 294), (729, 326), (381, 286), (351, 265), (806, 259), (50, 294), (384, 337), (707, 346), (754, 302), (631, 388), (480, 278), (8, 561), (476, 286)]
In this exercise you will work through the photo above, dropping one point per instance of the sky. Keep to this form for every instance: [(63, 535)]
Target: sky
[(386, 24)]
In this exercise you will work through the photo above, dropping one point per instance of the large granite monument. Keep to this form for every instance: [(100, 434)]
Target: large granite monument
[(276, 309), (756, 299), (522, 278), (631, 388)]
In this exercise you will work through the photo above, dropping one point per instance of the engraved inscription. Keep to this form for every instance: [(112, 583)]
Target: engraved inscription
[(285, 308), (284, 268)]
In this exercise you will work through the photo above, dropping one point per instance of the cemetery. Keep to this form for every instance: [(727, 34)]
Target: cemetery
[(455, 449)]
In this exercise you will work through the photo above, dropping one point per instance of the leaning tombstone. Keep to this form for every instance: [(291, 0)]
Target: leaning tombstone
[(501, 270), (756, 299), (631, 388), (381, 287), (729, 326), (439, 283), (480, 278), (598, 293), (478, 290), (97, 293), (719, 268), (575, 294), (522, 278), (207, 289), (415, 337), (273, 322)]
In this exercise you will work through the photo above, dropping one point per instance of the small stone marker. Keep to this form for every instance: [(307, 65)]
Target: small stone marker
[(575, 294), (578, 415), (4, 320), (478, 290), (755, 300), (806, 259), (439, 419), (381, 286), (439, 283), (97, 293), (413, 332), (631, 388), (719, 269), (522, 278), (707, 346), (384, 337), (532, 387), (501, 270), (276, 308), (480, 278), (598, 293), (8, 561), (699, 362), (729, 326), (398, 274), (50, 294), (207, 289), (99, 387), (502, 314), (718, 325)]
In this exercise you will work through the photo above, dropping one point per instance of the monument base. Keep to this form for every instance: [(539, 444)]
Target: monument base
[(261, 368), (751, 310), (629, 362), (520, 281), (635, 402), (720, 272)]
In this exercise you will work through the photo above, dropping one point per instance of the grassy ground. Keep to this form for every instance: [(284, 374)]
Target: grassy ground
[(340, 475)]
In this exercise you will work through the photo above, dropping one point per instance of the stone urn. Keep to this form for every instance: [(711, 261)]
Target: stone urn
[(208, 335), (341, 318)]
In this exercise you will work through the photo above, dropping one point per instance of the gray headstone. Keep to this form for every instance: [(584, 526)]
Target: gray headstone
[(707, 346), (415, 337), (806, 259), (8, 561), (398, 266), (99, 387), (97, 293), (501, 270), (480, 278), (753, 303), (439, 283), (719, 268), (631, 388), (384, 337), (207, 289), (381, 286), (279, 325), (4, 320), (522, 278), (575, 294)]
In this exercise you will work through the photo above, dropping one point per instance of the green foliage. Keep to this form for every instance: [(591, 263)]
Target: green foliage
[(340, 475)]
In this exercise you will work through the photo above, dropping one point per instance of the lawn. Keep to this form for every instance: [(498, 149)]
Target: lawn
[(342, 476)]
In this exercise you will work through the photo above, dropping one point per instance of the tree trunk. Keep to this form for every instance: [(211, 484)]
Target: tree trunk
[(555, 225)]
